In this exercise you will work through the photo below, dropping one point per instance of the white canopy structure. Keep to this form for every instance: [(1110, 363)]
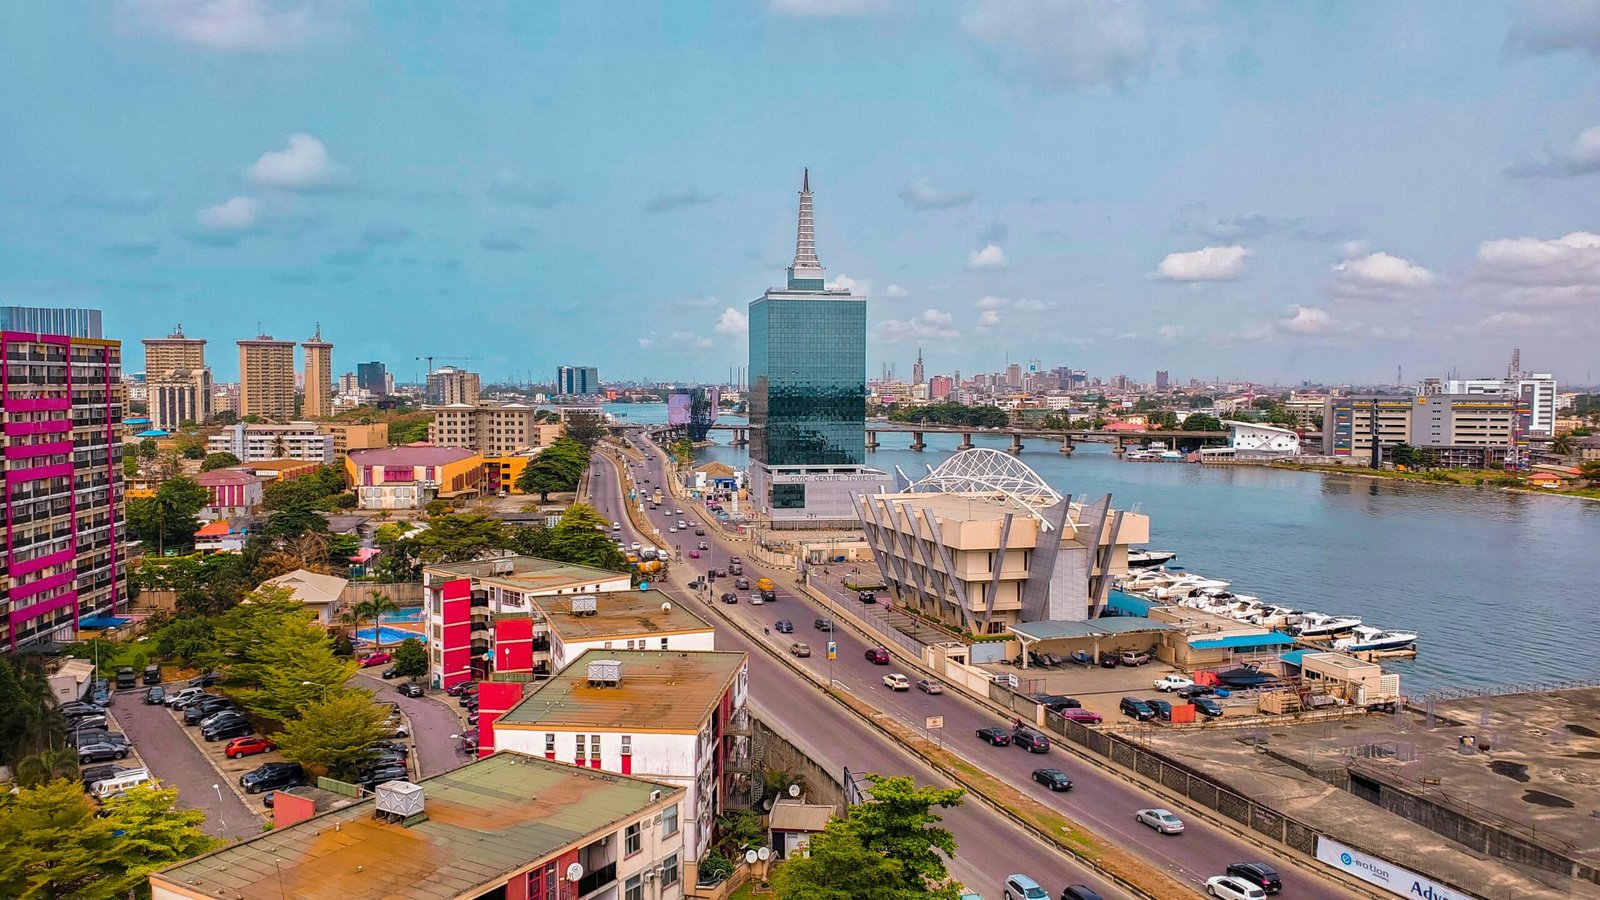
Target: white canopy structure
[(998, 475)]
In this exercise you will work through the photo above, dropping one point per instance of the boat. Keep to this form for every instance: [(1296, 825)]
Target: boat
[(1149, 579), (1366, 637), (1321, 625), (1188, 584), (1245, 677), (1144, 559), (1277, 617)]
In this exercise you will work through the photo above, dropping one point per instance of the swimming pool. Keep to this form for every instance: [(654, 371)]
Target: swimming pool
[(388, 635)]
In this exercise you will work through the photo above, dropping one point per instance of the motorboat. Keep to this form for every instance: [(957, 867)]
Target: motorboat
[(1366, 637), (1187, 585), (1277, 617), (1144, 559), (1149, 579), (1243, 608), (1322, 625), (1246, 677)]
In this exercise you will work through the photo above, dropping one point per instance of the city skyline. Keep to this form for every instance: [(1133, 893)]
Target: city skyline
[(1254, 193)]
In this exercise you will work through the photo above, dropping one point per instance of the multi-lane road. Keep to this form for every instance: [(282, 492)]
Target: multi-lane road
[(1101, 801)]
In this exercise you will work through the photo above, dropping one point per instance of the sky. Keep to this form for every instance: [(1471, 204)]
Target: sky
[(1277, 192)]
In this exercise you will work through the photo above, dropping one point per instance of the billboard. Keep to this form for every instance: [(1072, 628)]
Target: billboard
[(678, 409), (1381, 873)]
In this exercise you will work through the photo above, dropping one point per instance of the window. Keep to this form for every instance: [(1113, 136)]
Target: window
[(627, 745), (669, 821), (579, 754), (550, 745), (633, 888), (633, 839), (663, 643), (594, 748), (669, 869)]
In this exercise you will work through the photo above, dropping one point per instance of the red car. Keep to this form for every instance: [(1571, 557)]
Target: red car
[(248, 746), (375, 659), (1082, 716), (694, 554), (878, 656)]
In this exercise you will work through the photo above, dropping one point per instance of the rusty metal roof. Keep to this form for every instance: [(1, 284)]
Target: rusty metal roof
[(524, 573), (484, 822), (620, 614), (662, 691)]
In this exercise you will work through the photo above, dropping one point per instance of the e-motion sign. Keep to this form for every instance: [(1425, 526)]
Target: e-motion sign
[(1383, 874)]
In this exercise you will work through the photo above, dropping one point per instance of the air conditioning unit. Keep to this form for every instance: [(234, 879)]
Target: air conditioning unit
[(651, 874)]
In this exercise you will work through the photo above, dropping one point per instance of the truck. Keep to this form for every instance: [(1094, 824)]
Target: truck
[(768, 592), (735, 567)]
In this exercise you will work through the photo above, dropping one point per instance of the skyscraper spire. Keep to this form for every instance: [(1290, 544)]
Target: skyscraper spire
[(806, 274)]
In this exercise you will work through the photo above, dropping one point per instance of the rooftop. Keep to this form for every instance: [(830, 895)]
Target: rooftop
[(227, 476), (411, 455), (622, 614), (484, 822), (1045, 631), (310, 587), (524, 573), (662, 691)]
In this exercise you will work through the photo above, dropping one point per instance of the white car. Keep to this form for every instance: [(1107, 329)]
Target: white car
[(1231, 888), (1161, 820), (1172, 682), (616, 526), (634, 546), (894, 681)]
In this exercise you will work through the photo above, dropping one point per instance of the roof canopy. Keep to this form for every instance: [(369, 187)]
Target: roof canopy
[(1046, 631), (1003, 477)]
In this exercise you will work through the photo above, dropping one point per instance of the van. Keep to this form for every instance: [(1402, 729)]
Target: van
[(1021, 887), (126, 678), (1030, 740), (152, 675), (735, 568), (110, 787)]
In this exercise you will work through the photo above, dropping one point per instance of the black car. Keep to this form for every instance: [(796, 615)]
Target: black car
[(97, 773), (410, 689), (1257, 873), (206, 680), (1196, 690), (1055, 702), (75, 708), (101, 751), (379, 776), (1162, 708), (221, 717), (228, 728), (1054, 779), (97, 721), (783, 626), (96, 736), (1030, 740), (195, 713), (394, 747), (155, 696), (468, 701), (1207, 707), (823, 624), (729, 597), (1135, 708), (272, 776), (389, 673), (1108, 660), (995, 735), (1079, 892)]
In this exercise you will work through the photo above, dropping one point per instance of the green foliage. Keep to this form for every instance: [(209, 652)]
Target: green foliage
[(437, 507), (46, 766), (840, 867), (147, 448), (186, 640), (1164, 419), (305, 491), (586, 428), (527, 540), (276, 659), (343, 647), (225, 417), (335, 735), (739, 831), (455, 538), (220, 460), (584, 538), (191, 445), (29, 723), (410, 659), (57, 847), (1590, 471), (557, 469), (1203, 422), (293, 521), (409, 428), (901, 824), (1406, 455), (170, 516), (373, 609), (953, 414), (130, 465), (1199, 400)]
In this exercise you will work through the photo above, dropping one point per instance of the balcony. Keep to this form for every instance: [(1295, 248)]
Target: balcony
[(597, 879)]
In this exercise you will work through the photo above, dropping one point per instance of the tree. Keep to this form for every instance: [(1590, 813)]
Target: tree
[(1562, 445), (335, 735), (410, 659), (147, 448), (1203, 422), (275, 656), (29, 723), (1404, 454), (587, 428), (219, 460), (527, 540), (169, 516), (190, 445), (225, 417), (130, 465), (1590, 472), (46, 766), (582, 537), (557, 469), (457, 538), (839, 867), (185, 639), (292, 521), (409, 429)]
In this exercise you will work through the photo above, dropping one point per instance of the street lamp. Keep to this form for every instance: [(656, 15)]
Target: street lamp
[(220, 819)]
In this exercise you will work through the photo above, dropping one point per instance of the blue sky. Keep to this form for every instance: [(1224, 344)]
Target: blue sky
[(1317, 191)]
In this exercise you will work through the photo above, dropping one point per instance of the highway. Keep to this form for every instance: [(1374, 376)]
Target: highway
[(1100, 800)]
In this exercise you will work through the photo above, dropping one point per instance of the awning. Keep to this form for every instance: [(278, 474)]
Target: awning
[(1049, 631), (1244, 641)]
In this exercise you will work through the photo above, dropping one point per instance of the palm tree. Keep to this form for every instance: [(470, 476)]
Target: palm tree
[(379, 605), (46, 766), (1562, 445)]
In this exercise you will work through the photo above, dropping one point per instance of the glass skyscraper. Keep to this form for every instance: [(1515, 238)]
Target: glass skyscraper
[(808, 371)]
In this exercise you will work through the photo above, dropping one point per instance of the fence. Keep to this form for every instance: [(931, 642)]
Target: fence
[(403, 593)]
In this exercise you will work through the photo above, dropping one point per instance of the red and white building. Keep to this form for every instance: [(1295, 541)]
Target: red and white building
[(221, 536), (410, 477), (234, 492)]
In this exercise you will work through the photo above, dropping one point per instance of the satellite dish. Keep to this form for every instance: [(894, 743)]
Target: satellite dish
[(794, 790), (574, 871), (750, 857), (666, 607), (764, 853)]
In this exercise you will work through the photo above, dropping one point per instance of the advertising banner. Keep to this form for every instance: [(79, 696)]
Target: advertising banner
[(1383, 874)]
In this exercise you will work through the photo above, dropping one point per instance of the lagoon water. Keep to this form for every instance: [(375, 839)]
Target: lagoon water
[(1504, 588)]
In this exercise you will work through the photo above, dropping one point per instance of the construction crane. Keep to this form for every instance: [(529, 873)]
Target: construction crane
[(430, 360)]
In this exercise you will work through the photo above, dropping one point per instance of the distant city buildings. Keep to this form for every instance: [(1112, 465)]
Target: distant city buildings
[(449, 385), (317, 402), (373, 378), (411, 477), (1537, 391), (349, 436), (1456, 430), (1161, 381), (491, 429), (266, 379), (939, 387), (917, 369), (178, 386), (577, 381), (254, 442)]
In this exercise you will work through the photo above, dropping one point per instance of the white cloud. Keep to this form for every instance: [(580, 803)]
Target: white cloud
[(1501, 322), (1556, 26), (1352, 249), (1380, 274), (690, 339), (895, 292), (732, 321), (1582, 157), (1569, 261), (821, 9), (1064, 43), (238, 25), (989, 318), (1169, 333), (861, 287), (990, 257), (1027, 305), (1306, 320), (990, 303), (921, 195), (1205, 264), (233, 214), (645, 343), (303, 164), (930, 324)]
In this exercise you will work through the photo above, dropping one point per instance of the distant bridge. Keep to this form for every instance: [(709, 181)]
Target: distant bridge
[(1063, 439)]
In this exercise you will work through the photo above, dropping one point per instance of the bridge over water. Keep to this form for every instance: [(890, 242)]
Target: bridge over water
[(1061, 439)]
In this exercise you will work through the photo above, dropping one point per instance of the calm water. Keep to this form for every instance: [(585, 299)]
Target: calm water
[(1503, 588)]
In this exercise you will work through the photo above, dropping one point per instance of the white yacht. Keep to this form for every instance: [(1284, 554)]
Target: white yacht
[(1321, 625), (1187, 585), (1277, 617), (1366, 637), (1144, 559), (1149, 579)]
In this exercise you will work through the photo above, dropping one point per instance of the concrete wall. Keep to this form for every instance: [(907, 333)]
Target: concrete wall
[(775, 752)]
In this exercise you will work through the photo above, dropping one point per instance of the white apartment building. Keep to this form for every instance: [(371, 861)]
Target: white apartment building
[(1538, 390), (255, 442), (616, 620)]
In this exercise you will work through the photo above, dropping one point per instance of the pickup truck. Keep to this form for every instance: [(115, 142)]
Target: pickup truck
[(1172, 683)]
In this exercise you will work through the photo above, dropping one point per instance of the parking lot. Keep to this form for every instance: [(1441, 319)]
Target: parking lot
[(170, 754), (433, 716)]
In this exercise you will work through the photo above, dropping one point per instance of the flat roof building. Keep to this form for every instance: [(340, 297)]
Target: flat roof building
[(412, 476), (266, 379)]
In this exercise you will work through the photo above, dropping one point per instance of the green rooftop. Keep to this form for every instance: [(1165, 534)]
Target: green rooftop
[(523, 573)]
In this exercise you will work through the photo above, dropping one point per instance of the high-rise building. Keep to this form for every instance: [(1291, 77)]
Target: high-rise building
[(493, 430), (1458, 430), (266, 378), (1537, 390), (348, 383), (916, 369), (808, 394), (60, 404), (448, 385), (939, 387), (577, 381), (1161, 381), (177, 381), (318, 403), (372, 377), (175, 351), (1014, 375)]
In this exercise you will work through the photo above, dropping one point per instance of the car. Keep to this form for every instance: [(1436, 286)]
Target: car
[(126, 678), (198, 713), (1133, 658), (800, 649), (184, 695), (101, 697), (1196, 690), (95, 721), (894, 681), (1081, 716), (700, 532), (75, 708), (383, 776), (783, 626), (152, 674), (219, 716), (1134, 708), (742, 584), (1257, 873), (1030, 739), (1079, 892), (635, 547), (694, 554), (1160, 819), (206, 679), (823, 624), (1207, 707), (678, 511), (867, 596), (1172, 683), (376, 659), (394, 747), (248, 746), (1163, 709), (384, 761), (704, 546), (410, 689), (1228, 887), (1054, 779), (461, 687), (1108, 660), (100, 751), (94, 773), (468, 700), (929, 686), (389, 673), (995, 735), (616, 526), (878, 656), (1021, 887), (96, 736), (729, 597), (227, 728), (272, 776), (155, 696), (1055, 702)]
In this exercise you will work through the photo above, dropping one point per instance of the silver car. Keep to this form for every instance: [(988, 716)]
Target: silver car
[(1161, 820)]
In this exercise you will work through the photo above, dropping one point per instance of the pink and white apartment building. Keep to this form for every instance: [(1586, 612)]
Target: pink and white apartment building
[(60, 408), (233, 493)]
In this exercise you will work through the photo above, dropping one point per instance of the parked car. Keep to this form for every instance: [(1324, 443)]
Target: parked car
[(464, 687), (410, 689), (1160, 819), (152, 674), (382, 776), (1108, 660), (995, 735), (1021, 887), (101, 697), (1228, 887), (106, 788), (206, 679), (94, 773), (197, 713), (1054, 779), (929, 686), (155, 696), (93, 721), (1135, 708), (248, 746), (1163, 709), (1257, 873), (1079, 892), (96, 736), (389, 673), (1030, 739), (226, 728), (783, 626), (878, 656), (823, 624), (376, 659), (1081, 716), (74, 708), (394, 747), (867, 596), (1196, 690), (1056, 702), (894, 681), (1133, 658), (272, 776), (100, 751), (184, 695), (1207, 707), (1172, 683), (220, 716), (126, 678)]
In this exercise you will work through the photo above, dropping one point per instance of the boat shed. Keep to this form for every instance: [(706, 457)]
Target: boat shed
[(1093, 636)]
